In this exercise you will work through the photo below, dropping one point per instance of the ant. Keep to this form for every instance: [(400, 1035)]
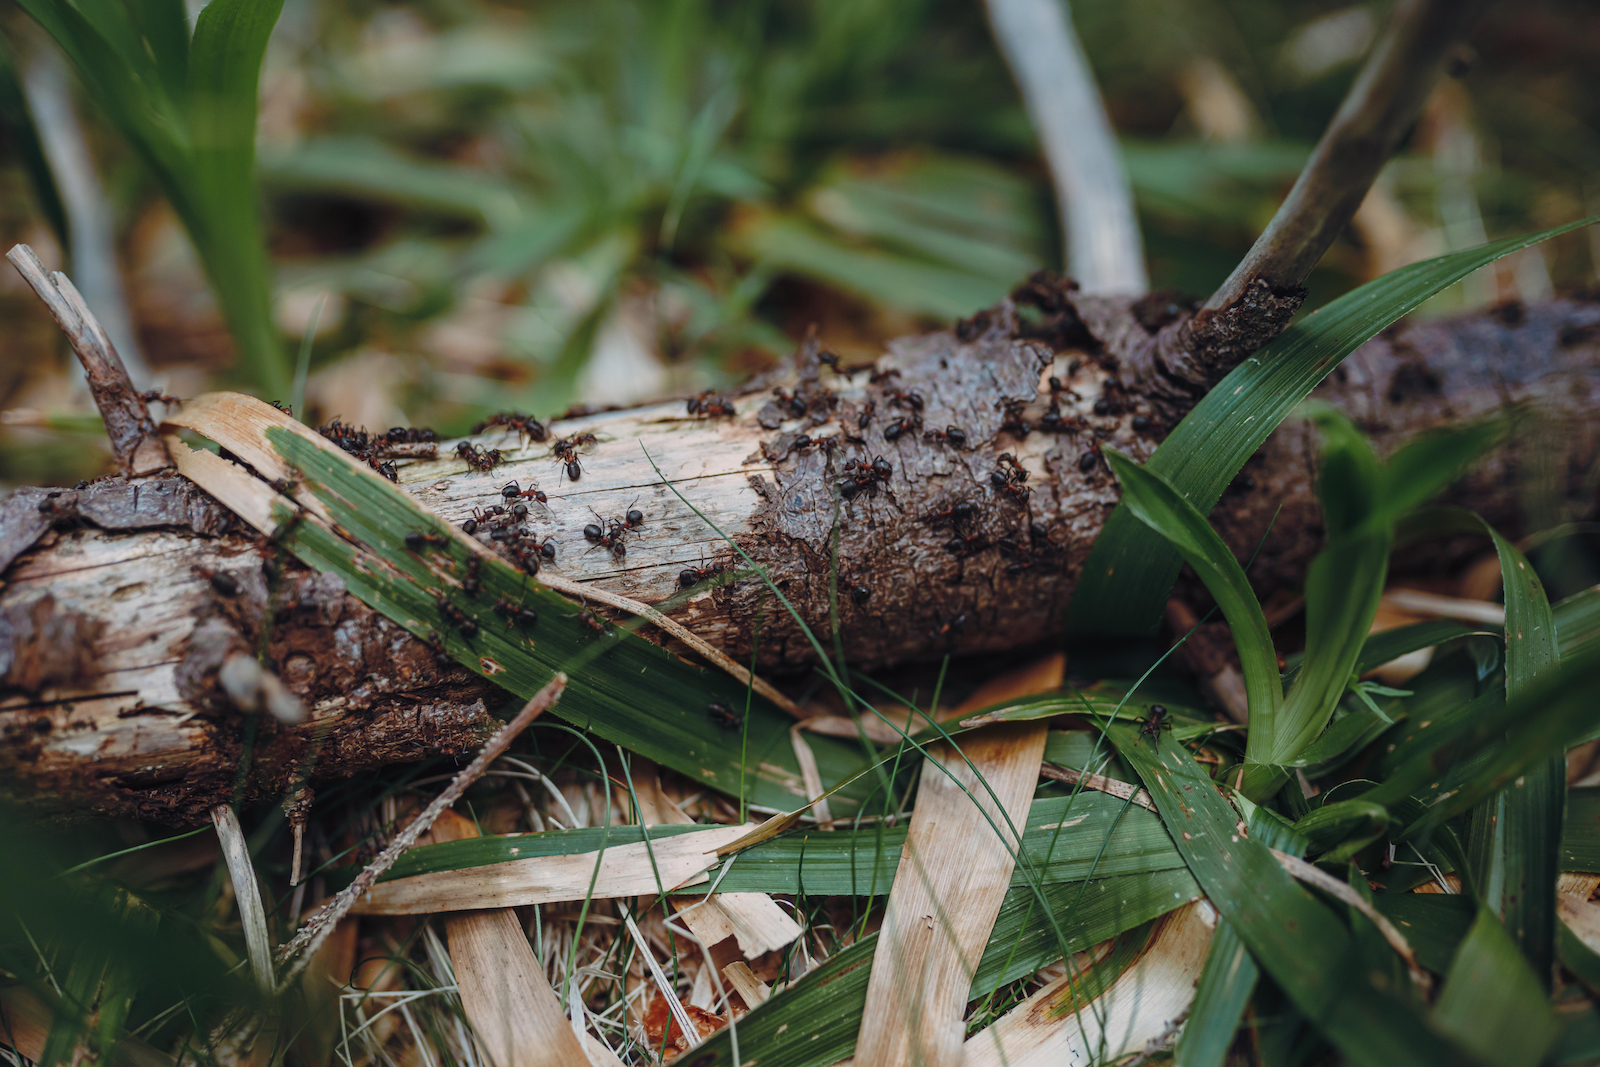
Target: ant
[(566, 452), (525, 425), (224, 583), (954, 436), (471, 584), (860, 594), (386, 468), (610, 534), (410, 435), (1009, 476), (157, 396), (806, 441), (796, 404), (479, 459), (281, 406), (957, 513), (723, 717), (516, 613), (458, 618), (1014, 423), (900, 427), (594, 622), (965, 546), (879, 376), (709, 405), (512, 490), (691, 576), (1089, 460), (830, 358), (529, 553), (417, 541), (1057, 388), (898, 399), (1152, 725), (1053, 422), (860, 476), (865, 418), (441, 656)]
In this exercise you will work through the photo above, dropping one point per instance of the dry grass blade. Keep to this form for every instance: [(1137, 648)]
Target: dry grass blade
[(246, 893), (317, 926), (1138, 1013), (515, 1014), (624, 871), (953, 874), (1121, 790)]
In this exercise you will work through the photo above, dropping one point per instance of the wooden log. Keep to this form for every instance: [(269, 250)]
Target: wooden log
[(120, 600)]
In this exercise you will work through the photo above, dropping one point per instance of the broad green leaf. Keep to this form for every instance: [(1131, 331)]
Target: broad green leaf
[(622, 688), (1580, 832), (815, 1022), (1294, 937), (1124, 584), (1155, 503), (1434, 923), (1491, 1003), (1328, 825), (371, 170)]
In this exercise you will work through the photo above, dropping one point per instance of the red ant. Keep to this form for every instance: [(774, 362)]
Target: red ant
[(1009, 476), (723, 717), (479, 459), (1053, 422), (1014, 423), (458, 618), (1152, 725), (516, 613), (411, 435), (879, 376), (957, 513), (710, 405), (861, 476), (525, 425), (566, 452), (610, 534), (594, 622), (900, 427), (796, 405), (692, 576), (511, 490), (471, 584), (865, 418), (386, 468), (954, 436), (441, 657), (157, 396), (417, 541), (965, 546), (911, 401)]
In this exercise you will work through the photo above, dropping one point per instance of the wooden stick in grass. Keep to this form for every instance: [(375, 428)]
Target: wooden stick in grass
[(128, 424), (516, 1016), (310, 935)]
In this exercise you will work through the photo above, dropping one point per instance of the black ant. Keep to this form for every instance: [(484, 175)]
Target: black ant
[(1014, 423), (796, 405), (1152, 725), (900, 427), (411, 435), (1088, 461), (157, 396), (965, 546), (1057, 388), (1052, 421), (519, 615), (898, 399), (417, 541), (1009, 476), (879, 376), (861, 476), (957, 513), (525, 425), (954, 436), (511, 490), (608, 533), (691, 576), (860, 594), (723, 717), (458, 618), (224, 583), (479, 459), (471, 584), (710, 405), (865, 418), (566, 451), (634, 518), (594, 622), (830, 358)]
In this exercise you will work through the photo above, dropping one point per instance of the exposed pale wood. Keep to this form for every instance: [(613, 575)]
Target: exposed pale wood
[(516, 1016), (625, 871), (1581, 915), (1144, 1005), (745, 983), (953, 873)]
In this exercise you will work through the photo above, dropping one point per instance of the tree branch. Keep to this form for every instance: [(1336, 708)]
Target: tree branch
[(1100, 230), (1257, 301)]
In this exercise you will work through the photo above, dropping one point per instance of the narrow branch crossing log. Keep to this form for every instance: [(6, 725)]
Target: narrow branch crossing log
[(116, 617)]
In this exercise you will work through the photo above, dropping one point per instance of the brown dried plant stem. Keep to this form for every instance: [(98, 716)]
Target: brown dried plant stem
[(311, 934)]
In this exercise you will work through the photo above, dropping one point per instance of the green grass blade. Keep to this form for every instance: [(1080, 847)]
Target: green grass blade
[(1153, 501), (1491, 1002), (1226, 984), (1125, 581), (1300, 942), (230, 39)]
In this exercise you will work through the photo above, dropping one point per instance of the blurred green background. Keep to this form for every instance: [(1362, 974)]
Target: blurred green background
[(473, 206)]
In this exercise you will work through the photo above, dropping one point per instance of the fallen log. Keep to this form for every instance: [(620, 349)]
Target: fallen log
[(121, 598)]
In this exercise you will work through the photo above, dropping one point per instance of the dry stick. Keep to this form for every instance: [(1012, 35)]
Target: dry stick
[(311, 935), (1263, 292), (128, 424), (1101, 231)]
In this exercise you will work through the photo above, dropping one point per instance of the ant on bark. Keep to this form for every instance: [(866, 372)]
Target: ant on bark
[(479, 459), (1014, 424), (709, 405), (954, 436), (902, 426), (512, 490), (692, 576), (525, 425), (863, 477), (566, 452), (1008, 477)]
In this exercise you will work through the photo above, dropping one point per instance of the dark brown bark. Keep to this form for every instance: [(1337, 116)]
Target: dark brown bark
[(147, 732)]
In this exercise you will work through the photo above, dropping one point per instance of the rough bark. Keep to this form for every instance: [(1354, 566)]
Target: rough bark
[(113, 622)]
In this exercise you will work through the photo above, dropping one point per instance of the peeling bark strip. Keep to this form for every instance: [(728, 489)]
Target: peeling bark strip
[(146, 731)]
